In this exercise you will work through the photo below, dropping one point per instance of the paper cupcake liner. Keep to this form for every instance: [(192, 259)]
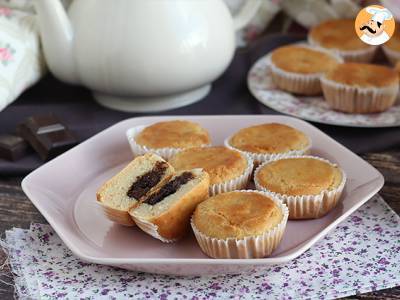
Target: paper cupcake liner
[(306, 84), (392, 55), (259, 158), (137, 149), (117, 216), (353, 99), (150, 229), (237, 183), (360, 55), (307, 206), (250, 247)]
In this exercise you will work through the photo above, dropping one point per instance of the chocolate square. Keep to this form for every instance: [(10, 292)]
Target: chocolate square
[(47, 135), (12, 147)]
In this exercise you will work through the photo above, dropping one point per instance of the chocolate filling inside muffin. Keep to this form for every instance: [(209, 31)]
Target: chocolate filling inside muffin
[(169, 188), (147, 181)]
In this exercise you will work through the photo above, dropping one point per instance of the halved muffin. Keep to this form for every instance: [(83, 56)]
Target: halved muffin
[(124, 190), (165, 212)]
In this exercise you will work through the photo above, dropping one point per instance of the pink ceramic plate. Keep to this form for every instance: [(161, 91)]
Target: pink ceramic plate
[(64, 192)]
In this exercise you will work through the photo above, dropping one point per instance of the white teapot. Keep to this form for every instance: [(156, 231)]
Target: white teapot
[(141, 55)]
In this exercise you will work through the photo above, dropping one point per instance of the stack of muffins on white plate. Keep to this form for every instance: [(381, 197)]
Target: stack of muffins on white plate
[(337, 64)]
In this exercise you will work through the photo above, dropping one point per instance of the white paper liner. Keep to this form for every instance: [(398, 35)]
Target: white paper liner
[(150, 229), (354, 99), (117, 216), (392, 55), (360, 55), (248, 247), (137, 149), (237, 183), (306, 84), (307, 206), (259, 158)]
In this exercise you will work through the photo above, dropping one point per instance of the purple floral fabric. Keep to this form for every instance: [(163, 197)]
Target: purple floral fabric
[(362, 254)]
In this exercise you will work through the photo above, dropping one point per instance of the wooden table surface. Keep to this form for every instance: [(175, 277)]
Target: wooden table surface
[(17, 211)]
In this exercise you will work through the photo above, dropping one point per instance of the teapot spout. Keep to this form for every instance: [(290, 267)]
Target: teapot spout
[(57, 39)]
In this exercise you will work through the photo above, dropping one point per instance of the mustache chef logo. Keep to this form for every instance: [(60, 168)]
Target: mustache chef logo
[(368, 28), (374, 25)]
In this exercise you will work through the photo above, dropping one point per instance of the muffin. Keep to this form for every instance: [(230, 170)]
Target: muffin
[(239, 224), (124, 190), (392, 46), (167, 138), (297, 69), (165, 212), (397, 69), (360, 88), (266, 141), (228, 169), (309, 186), (339, 36)]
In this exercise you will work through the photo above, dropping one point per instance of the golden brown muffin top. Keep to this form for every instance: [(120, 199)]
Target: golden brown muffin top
[(221, 163), (173, 134), (299, 176), (297, 59), (363, 75), (337, 34), (394, 42), (237, 215), (269, 138), (397, 67)]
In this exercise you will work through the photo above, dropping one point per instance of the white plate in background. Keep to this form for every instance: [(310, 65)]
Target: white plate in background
[(259, 81)]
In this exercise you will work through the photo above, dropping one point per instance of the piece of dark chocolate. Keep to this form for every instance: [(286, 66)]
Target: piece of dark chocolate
[(47, 135), (12, 147)]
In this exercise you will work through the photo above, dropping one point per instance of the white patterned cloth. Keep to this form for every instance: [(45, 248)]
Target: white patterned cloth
[(307, 13), (21, 62), (362, 254)]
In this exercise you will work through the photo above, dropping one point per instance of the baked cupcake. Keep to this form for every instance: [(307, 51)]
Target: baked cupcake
[(339, 36), (228, 169), (167, 138), (392, 46), (266, 141), (124, 190), (297, 69), (360, 88), (165, 212), (309, 186), (397, 69), (239, 224)]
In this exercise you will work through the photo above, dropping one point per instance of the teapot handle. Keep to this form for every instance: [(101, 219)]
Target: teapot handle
[(246, 13)]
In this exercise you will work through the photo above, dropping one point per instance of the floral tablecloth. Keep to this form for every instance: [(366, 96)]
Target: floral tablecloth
[(362, 254)]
